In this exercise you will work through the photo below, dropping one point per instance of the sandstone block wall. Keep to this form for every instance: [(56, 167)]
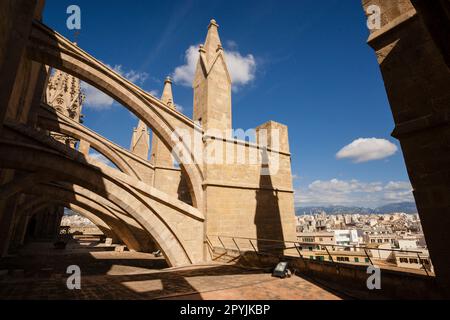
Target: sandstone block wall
[(242, 202)]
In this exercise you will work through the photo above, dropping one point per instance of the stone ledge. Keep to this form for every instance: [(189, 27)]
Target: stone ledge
[(429, 122), (244, 186), (246, 144), (391, 26)]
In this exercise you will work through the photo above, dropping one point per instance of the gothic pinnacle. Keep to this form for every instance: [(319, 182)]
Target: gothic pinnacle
[(167, 96), (213, 23)]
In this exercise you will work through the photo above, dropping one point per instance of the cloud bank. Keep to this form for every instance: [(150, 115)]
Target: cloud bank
[(354, 193)]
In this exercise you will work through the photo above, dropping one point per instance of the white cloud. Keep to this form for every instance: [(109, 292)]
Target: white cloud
[(242, 68), (354, 193), (97, 100), (231, 44), (184, 74), (342, 186), (134, 76), (367, 149), (100, 158), (179, 107), (398, 185), (154, 93)]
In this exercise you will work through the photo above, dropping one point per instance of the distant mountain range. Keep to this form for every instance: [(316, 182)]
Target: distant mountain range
[(406, 207)]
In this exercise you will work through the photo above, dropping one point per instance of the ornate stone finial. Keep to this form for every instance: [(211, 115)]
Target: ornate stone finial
[(64, 94), (213, 23), (167, 96), (219, 48), (201, 48), (211, 42)]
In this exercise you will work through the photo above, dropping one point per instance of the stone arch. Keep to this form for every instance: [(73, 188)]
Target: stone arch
[(172, 225), (109, 231), (79, 132), (48, 47), (30, 209), (62, 196)]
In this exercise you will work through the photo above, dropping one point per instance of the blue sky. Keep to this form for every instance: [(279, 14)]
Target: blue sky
[(303, 63)]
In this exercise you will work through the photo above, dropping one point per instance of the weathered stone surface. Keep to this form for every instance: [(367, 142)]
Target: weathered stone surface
[(150, 204), (414, 64), (212, 85), (15, 17)]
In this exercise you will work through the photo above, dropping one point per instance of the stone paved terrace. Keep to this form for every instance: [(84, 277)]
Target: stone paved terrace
[(38, 272)]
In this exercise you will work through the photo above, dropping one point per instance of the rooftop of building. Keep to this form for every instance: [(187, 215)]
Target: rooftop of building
[(316, 234)]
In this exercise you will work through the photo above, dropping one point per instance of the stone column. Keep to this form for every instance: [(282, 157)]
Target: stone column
[(19, 231), (84, 147), (7, 211), (414, 64), (39, 91), (15, 25), (56, 223)]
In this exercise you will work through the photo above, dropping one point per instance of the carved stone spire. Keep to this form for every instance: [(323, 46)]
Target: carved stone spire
[(212, 86), (140, 141), (167, 96), (161, 155), (64, 94), (212, 41)]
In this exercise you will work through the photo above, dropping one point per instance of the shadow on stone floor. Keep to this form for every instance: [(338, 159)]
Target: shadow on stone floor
[(110, 275)]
